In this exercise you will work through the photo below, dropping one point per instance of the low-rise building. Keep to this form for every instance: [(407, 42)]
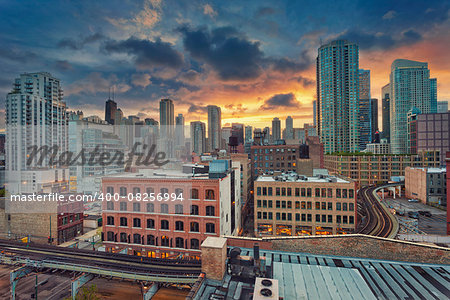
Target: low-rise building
[(429, 185), (372, 169), (292, 204), (379, 148), (168, 213)]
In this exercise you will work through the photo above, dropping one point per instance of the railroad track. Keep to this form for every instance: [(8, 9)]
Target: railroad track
[(100, 259), (379, 221)]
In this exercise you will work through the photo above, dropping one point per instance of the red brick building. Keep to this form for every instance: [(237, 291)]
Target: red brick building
[(447, 161), (200, 205)]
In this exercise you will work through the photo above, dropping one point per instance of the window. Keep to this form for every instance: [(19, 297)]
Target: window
[(150, 191), (317, 192), (195, 244), (110, 236), (194, 210), (136, 238), (297, 192), (270, 203), (150, 207), (165, 241), (210, 195), (277, 203), (351, 206), (259, 215), (309, 217), (123, 191), (323, 192), (303, 217), (330, 193), (123, 237), (195, 227), (258, 191), (308, 192), (110, 205), (324, 205), (258, 203), (278, 216), (270, 191), (338, 219), (344, 206), (164, 208), (330, 206), (264, 191), (303, 192), (150, 239), (283, 191), (164, 191), (136, 207), (110, 190), (210, 211), (194, 194), (210, 228), (338, 193), (344, 193), (345, 219), (179, 242), (165, 224), (330, 219), (338, 205), (123, 221), (123, 206), (318, 218), (289, 192), (324, 218), (351, 219), (179, 226), (109, 220), (283, 204), (136, 222), (150, 223), (317, 205), (136, 191), (178, 192), (179, 209), (309, 205), (289, 204), (270, 216), (351, 193)]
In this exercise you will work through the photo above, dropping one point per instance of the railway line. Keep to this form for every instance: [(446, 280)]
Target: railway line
[(379, 221), (99, 263)]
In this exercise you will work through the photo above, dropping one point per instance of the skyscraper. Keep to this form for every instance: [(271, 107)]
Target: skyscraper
[(237, 130), (276, 130), (214, 127), (365, 126), (166, 113), (442, 107), (198, 134), (315, 113), (338, 95), (385, 102), (289, 128), (166, 130), (411, 87), (364, 84), (374, 118), (248, 133), (110, 111), (179, 130)]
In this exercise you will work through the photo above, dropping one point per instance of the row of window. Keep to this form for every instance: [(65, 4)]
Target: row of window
[(194, 193), (306, 192), (306, 205), (179, 225), (306, 217), (152, 240), (164, 208)]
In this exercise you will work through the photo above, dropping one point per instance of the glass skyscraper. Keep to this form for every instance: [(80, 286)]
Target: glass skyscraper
[(338, 96), (411, 88)]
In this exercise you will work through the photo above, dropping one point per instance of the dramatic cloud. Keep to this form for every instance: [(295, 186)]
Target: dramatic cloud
[(281, 101), (285, 65), (63, 65), (367, 40), (148, 54), (389, 15), (230, 54), (95, 83), (141, 80), (77, 44), (197, 109)]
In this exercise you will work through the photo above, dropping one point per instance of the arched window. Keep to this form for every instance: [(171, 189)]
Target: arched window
[(110, 205), (164, 191), (109, 220), (150, 239), (123, 237), (195, 227), (136, 238), (150, 207), (179, 226), (110, 190), (179, 242), (194, 194), (165, 241), (123, 221), (195, 244), (165, 224), (194, 210), (164, 208), (150, 223), (136, 207), (210, 195), (110, 236), (210, 211), (179, 209), (149, 191), (123, 191), (210, 228), (136, 190), (178, 192), (136, 222)]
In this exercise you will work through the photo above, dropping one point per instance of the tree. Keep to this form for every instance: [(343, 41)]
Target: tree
[(87, 293)]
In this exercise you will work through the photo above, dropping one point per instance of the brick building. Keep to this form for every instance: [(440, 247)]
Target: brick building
[(427, 185), (372, 169), (211, 206), (298, 205)]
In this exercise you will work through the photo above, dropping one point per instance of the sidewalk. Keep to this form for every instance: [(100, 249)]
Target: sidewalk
[(87, 236)]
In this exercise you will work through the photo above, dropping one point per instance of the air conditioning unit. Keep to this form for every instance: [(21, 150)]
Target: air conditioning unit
[(265, 289)]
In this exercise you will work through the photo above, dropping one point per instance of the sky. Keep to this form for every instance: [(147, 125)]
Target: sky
[(254, 59)]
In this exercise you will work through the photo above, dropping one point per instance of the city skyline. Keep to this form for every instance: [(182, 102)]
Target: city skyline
[(274, 71)]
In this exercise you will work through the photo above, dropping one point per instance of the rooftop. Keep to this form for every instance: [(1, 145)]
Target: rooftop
[(294, 177)]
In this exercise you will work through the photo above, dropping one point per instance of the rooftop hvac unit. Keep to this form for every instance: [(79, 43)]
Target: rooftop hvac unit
[(265, 289)]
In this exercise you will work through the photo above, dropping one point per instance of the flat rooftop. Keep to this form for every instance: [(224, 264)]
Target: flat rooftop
[(293, 177), (158, 174)]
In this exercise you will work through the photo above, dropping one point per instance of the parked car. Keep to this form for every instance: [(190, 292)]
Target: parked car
[(425, 213), (413, 214), (413, 200)]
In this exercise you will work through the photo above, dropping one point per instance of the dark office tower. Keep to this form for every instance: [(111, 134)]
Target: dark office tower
[(338, 96), (110, 111), (179, 130), (304, 151), (374, 121), (237, 130), (385, 99), (276, 130), (214, 127), (166, 117)]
